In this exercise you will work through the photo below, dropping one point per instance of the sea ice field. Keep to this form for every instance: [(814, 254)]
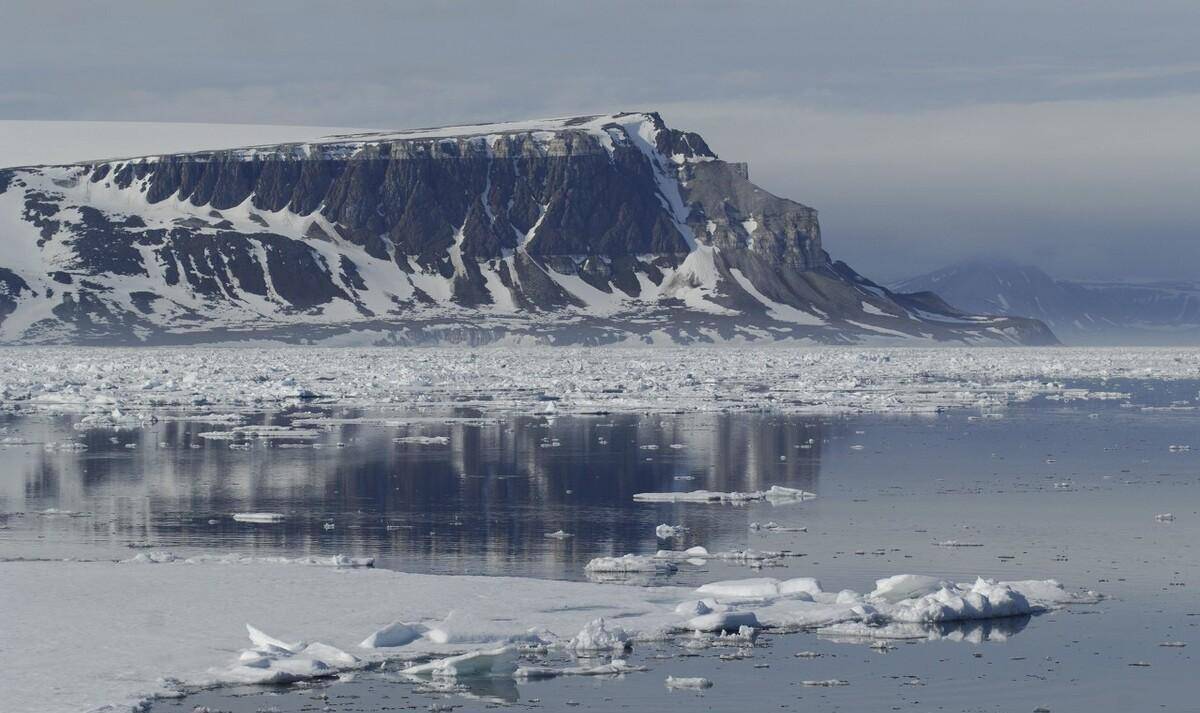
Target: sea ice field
[(784, 528)]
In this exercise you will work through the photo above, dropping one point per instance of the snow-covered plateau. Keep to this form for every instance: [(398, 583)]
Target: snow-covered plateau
[(589, 230), (216, 621), (123, 387)]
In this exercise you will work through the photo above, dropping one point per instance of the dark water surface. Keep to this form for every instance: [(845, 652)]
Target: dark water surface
[(1067, 490)]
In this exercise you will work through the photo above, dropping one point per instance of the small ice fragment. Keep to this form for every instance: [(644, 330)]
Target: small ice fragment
[(498, 662), (722, 621), (258, 517), (559, 535), (262, 640), (423, 440), (597, 636), (696, 682), (398, 633), (617, 666), (666, 532), (697, 607), (826, 683), (630, 563), (330, 654), (1164, 517), (905, 586)]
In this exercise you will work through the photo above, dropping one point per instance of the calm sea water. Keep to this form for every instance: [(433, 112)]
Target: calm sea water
[(1067, 490)]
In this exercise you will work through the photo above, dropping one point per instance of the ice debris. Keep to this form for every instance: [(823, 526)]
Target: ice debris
[(398, 633), (695, 682), (597, 636), (487, 663), (630, 564), (776, 494), (262, 518)]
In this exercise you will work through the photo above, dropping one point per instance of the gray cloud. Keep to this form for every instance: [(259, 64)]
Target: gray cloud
[(924, 131)]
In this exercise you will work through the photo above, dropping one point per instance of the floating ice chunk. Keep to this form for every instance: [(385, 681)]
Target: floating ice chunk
[(692, 553), (597, 636), (630, 563), (423, 440), (776, 494), (288, 670), (696, 682), (263, 518), (696, 607), (330, 654), (905, 586), (498, 662), (666, 532), (151, 558), (722, 621), (1164, 517), (827, 683), (776, 527), (982, 600), (263, 640), (398, 633), (559, 535), (616, 667)]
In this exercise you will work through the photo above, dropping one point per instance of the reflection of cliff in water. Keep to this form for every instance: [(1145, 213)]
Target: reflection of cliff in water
[(487, 497)]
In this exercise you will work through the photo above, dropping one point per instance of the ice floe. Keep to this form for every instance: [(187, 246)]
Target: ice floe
[(316, 613)]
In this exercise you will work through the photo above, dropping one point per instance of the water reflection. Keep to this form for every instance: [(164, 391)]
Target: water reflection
[(481, 502), (977, 631)]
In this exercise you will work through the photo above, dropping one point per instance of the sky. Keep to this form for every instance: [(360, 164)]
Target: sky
[(1061, 134)]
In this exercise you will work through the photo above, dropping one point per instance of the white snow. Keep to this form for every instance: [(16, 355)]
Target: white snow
[(398, 633), (501, 661), (190, 615)]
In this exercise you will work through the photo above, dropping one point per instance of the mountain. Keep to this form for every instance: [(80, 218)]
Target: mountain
[(579, 230), (1079, 312)]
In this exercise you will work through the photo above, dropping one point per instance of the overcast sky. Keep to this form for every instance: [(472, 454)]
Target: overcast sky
[(1059, 133)]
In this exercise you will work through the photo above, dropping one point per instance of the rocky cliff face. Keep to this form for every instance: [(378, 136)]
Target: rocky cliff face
[(590, 229)]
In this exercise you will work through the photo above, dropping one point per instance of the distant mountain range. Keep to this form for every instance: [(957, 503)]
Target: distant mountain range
[(1079, 312), (592, 229)]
